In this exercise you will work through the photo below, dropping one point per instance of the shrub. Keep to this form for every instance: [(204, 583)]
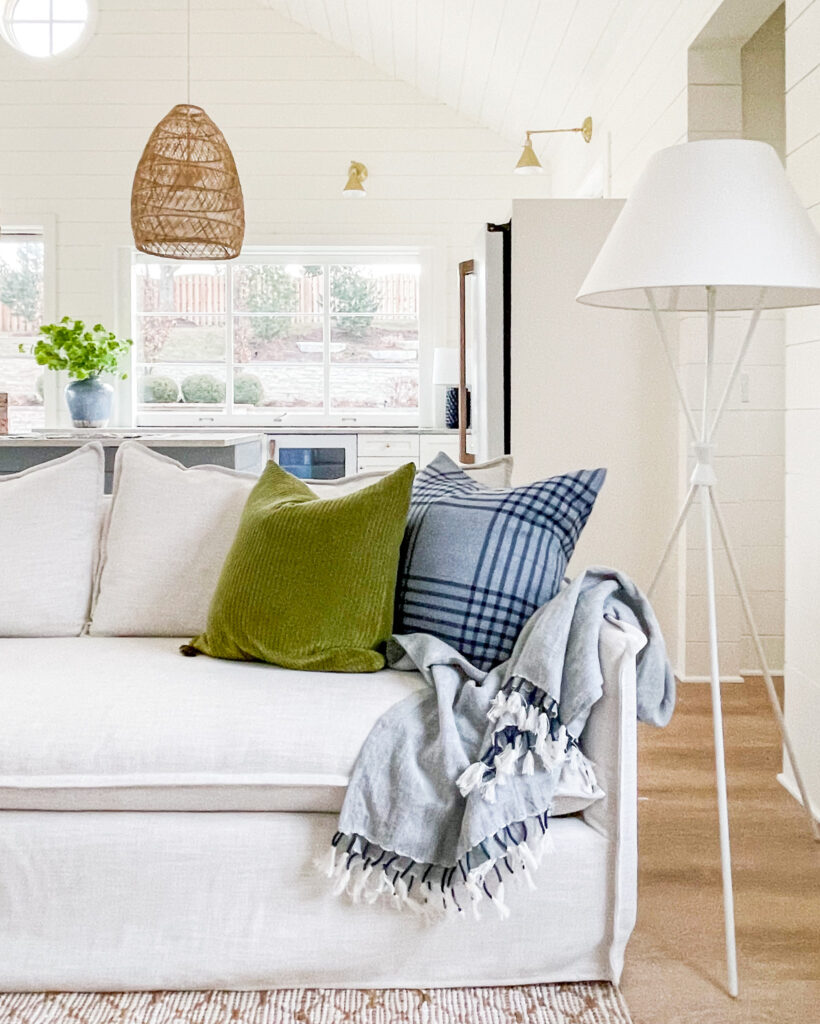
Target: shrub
[(203, 387), (248, 389), (159, 389)]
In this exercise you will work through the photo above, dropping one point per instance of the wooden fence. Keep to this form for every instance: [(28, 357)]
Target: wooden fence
[(205, 293), (12, 324)]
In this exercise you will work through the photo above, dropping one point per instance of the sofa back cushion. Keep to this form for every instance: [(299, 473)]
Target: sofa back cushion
[(167, 535), (168, 530), (49, 521), (477, 562), (309, 583)]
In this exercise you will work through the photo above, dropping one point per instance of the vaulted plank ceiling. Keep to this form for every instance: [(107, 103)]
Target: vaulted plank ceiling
[(506, 64)]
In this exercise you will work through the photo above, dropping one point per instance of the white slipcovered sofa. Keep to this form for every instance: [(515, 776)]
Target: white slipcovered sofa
[(160, 818)]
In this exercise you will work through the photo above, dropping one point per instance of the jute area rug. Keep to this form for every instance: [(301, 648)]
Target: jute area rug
[(584, 1003)]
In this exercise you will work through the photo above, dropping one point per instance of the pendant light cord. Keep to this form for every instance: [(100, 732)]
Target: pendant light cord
[(188, 51)]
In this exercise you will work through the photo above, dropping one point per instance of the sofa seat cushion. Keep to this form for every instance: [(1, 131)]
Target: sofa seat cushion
[(127, 723)]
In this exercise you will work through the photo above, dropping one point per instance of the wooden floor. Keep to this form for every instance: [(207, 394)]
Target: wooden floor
[(675, 971)]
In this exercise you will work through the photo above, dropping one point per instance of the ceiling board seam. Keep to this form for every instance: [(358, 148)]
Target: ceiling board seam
[(636, 65), (460, 93), (492, 56), (441, 45), (589, 59), (520, 64), (533, 115), (392, 32)]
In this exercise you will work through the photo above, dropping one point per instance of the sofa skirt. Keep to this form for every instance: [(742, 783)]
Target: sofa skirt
[(112, 901)]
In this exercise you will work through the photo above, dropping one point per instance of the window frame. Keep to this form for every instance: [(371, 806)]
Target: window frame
[(8, 35), (42, 226), (305, 255)]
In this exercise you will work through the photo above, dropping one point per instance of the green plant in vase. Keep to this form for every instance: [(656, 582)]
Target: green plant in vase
[(84, 353)]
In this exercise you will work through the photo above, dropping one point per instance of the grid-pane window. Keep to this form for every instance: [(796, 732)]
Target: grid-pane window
[(21, 313), (266, 336), (43, 28), (180, 334), (374, 336)]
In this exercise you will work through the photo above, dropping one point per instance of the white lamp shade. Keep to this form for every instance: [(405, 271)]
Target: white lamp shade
[(718, 213), (445, 366)]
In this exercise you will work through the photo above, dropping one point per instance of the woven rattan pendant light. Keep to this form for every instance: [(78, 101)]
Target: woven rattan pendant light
[(186, 201)]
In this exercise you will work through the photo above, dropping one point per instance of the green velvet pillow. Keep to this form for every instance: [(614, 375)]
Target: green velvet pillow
[(309, 582)]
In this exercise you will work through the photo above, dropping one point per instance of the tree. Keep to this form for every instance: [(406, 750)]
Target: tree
[(264, 288), (21, 287), (353, 291)]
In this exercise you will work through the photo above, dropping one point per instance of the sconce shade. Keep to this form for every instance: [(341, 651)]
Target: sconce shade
[(719, 213), (186, 201), (356, 177), (528, 162)]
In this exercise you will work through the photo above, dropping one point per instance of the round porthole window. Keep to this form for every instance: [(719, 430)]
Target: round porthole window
[(44, 28)]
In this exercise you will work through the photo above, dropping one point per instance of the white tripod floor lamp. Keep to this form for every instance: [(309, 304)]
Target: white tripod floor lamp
[(712, 226)]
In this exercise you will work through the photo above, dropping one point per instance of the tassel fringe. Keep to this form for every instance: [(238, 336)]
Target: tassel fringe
[(526, 738), (368, 874), (526, 732)]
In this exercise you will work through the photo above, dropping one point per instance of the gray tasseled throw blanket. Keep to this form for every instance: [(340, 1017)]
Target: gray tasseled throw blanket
[(451, 791)]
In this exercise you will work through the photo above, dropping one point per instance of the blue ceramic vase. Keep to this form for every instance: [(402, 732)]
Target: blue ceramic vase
[(89, 402)]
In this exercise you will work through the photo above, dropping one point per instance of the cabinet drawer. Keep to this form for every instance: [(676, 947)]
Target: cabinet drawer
[(395, 446), (430, 446), (383, 464)]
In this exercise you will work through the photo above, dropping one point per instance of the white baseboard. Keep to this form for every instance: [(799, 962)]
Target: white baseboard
[(707, 679), (745, 673), (788, 783)]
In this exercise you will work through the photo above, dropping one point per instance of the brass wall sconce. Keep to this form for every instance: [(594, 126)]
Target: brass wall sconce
[(356, 177), (529, 163)]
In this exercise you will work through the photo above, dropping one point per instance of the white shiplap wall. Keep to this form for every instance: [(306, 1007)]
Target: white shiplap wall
[(536, 64), (507, 65), (676, 75), (636, 91), (725, 83), (803, 410), (295, 109)]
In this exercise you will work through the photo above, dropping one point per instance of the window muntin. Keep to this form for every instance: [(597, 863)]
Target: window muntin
[(44, 28), (21, 313), (311, 339)]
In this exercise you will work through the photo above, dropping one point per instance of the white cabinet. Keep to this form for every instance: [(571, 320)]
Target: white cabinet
[(431, 444), (389, 451), (389, 446)]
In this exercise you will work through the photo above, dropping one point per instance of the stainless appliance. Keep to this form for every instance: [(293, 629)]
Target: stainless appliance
[(314, 456)]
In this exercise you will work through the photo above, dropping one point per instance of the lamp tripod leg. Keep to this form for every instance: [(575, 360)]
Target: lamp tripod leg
[(684, 512), (720, 761), (764, 665)]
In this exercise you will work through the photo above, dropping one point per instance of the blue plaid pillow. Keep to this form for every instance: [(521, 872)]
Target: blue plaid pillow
[(476, 563)]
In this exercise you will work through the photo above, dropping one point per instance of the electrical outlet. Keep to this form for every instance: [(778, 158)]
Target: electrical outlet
[(744, 388)]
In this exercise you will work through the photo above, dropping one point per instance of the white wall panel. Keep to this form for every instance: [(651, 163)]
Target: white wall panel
[(803, 414)]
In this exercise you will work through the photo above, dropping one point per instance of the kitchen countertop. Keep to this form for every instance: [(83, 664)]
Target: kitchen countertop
[(113, 438), (196, 436)]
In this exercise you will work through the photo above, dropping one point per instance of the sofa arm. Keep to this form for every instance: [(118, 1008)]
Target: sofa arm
[(610, 741), (609, 737)]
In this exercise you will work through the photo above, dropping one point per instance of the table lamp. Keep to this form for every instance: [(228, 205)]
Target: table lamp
[(446, 375)]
